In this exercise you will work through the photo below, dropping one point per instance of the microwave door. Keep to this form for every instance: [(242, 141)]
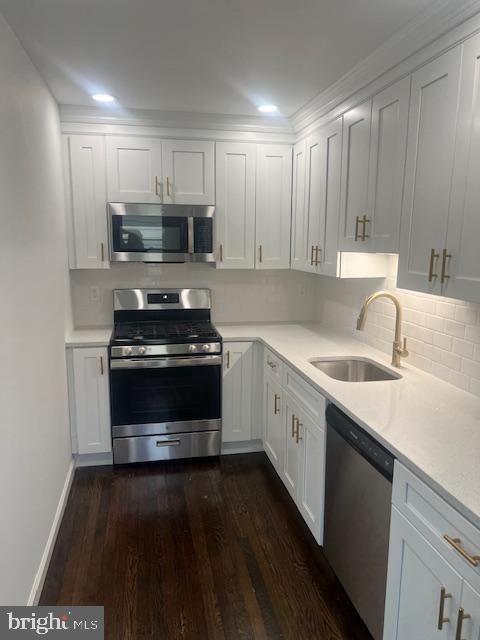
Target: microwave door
[(148, 238)]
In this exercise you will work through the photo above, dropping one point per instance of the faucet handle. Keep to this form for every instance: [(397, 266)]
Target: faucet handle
[(404, 349)]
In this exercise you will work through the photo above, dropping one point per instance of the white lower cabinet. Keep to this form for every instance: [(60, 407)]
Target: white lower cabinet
[(433, 579), (89, 400), (294, 440), (237, 391)]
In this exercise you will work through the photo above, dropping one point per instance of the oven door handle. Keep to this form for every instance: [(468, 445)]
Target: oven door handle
[(165, 363)]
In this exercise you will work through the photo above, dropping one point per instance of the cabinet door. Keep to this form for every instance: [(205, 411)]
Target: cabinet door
[(188, 171), (470, 626), (235, 210), (91, 391), (464, 221), (388, 145), (314, 196), (428, 172), (85, 160), (355, 158), (237, 391), (291, 457), (273, 441), (273, 197), (417, 573), (311, 481), (134, 169), (299, 241), (329, 214)]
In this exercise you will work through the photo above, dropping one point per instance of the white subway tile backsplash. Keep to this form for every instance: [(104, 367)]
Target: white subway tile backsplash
[(443, 335)]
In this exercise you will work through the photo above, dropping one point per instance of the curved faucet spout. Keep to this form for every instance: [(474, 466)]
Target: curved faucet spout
[(399, 351)]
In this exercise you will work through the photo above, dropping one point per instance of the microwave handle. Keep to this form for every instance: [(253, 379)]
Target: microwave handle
[(191, 235)]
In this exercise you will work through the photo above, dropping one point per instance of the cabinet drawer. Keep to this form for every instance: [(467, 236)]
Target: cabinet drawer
[(311, 400), (435, 519), (273, 364)]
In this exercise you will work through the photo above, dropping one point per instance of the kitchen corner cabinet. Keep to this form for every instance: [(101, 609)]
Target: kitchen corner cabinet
[(89, 400), (150, 170), (429, 168), (273, 206), (237, 400), (84, 167), (235, 209)]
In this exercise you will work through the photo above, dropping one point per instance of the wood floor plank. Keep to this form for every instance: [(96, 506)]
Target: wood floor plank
[(196, 550)]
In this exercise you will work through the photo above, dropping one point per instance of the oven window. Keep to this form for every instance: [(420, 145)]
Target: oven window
[(150, 234), (142, 396)]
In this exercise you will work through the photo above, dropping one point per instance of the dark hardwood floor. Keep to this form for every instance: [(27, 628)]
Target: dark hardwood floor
[(198, 550)]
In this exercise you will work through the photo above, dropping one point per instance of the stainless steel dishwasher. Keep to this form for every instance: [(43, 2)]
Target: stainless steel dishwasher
[(358, 494)]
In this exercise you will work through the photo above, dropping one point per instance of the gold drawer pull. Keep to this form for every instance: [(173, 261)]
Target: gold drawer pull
[(297, 434), (157, 187), (220, 253), (293, 425), (102, 368), (276, 408), (260, 253), (433, 258), (228, 359), (364, 222), (318, 256), (272, 365), (456, 544), (441, 610), (461, 617), (312, 259), (445, 257), (357, 233)]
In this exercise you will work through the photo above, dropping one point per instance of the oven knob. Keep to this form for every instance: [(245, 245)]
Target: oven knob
[(128, 351), (141, 351), (206, 347), (192, 348)]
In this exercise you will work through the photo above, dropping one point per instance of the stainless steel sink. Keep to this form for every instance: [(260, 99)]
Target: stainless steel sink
[(354, 369)]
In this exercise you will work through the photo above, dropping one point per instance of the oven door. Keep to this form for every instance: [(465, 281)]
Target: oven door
[(152, 396)]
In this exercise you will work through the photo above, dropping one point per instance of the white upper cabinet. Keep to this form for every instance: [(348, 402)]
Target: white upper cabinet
[(273, 206), (355, 159), (235, 209), (428, 175), (315, 176), (188, 172), (299, 239), (388, 144), (461, 271), (237, 391), (85, 180), (134, 170)]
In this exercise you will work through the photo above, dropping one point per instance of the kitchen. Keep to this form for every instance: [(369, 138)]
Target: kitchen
[(248, 404)]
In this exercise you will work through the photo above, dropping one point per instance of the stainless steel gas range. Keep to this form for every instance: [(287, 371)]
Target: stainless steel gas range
[(165, 375)]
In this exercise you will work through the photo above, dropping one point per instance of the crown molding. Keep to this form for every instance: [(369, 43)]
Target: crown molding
[(429, 26), (174, 120)]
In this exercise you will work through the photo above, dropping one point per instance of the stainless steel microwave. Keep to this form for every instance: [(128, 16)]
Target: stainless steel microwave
[(160, 233)]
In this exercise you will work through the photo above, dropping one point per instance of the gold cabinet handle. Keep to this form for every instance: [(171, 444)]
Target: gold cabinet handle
[(276, 408), (365, 220), (312, 259), (441, 609), (260, 253), (102, 369), (168, 186), (220, 253), (272, 365), (318, 256), (158, 184), (445, 257), (357, 233), (456, 543), (461, 617), (297, 434), (227, 355), (433, 258), (293, 425), (102, 251)]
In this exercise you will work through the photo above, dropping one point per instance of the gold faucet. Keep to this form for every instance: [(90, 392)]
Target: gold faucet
[(399, 351)]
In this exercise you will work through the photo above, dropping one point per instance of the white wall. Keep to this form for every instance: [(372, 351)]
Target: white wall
[(237, 296), (443, 335), (34, 437)]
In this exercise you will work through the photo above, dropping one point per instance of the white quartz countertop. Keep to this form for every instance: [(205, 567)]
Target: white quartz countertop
[(88, 337), (430, 426)]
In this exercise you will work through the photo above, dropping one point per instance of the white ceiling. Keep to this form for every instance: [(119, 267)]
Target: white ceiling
[(211, 56)]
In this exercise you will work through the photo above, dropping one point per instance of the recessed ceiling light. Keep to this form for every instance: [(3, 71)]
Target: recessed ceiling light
[(103, 97), (268, 108)]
